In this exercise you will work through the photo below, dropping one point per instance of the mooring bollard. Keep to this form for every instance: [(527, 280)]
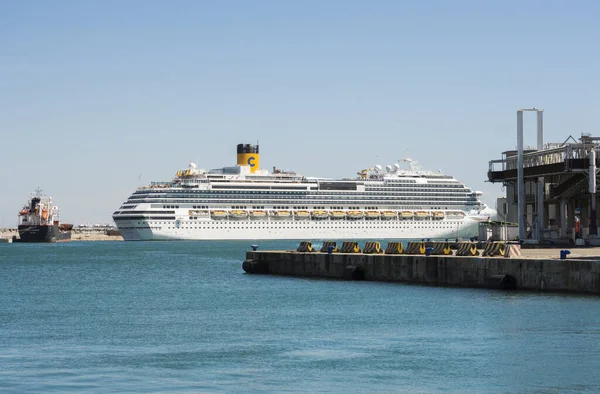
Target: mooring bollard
[(254, 247), (564, 253)]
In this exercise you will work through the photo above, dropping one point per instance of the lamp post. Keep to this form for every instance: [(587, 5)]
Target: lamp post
[(592, 183)]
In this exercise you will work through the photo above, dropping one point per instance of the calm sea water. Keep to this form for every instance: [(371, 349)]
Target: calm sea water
[(184, 317)]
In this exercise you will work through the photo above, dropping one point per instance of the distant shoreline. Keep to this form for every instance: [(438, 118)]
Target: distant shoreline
[(76, 234)]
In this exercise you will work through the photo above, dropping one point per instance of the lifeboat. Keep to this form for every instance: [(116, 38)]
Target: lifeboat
[(238, 214), (201, 213), (388, 215), (258, 214), (302, 214), (217, 214), (371, 215), (438, 215), (44, 214), (281, 214), (460, 214), (23, 211), (421, 215), (319, 215), (65, 227), (337, 214), (405, 215), (354, 215)]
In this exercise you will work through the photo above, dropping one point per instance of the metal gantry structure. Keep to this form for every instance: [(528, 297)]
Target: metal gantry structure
[(556, 172), (520, 176)]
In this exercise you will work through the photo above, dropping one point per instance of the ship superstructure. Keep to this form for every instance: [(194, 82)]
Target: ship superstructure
[(245, 202)]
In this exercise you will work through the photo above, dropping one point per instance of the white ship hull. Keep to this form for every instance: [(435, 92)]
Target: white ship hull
[(299, 230)]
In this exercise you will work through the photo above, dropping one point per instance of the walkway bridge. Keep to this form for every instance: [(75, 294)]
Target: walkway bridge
[(564, 167)]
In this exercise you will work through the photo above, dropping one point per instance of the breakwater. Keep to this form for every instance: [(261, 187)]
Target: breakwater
[(87, 234), (568, 275)]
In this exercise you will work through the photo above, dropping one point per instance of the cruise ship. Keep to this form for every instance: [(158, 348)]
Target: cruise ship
[(245, 202)]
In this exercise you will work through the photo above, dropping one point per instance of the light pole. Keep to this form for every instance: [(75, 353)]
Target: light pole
[(592, 183)]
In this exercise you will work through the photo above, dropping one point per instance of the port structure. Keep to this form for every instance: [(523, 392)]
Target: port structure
[(550, 189), (520, 176)]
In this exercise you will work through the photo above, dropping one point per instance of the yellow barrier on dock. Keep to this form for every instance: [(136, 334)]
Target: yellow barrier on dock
[(441, 248), (415, 248), (372, 247), (494, 249), (394, 247), (350, 247), (327, 244), (467, 249), (305, 246)]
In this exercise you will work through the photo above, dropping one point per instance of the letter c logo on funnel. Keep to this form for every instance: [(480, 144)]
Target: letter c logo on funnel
[(251, 161)]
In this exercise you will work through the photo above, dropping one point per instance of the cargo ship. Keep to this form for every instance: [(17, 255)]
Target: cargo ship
[(39, 221), (245, 202)]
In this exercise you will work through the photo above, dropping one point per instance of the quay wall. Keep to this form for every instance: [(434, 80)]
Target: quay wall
[(580, 276)]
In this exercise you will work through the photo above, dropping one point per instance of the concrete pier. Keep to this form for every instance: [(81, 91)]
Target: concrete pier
[(570, 275)]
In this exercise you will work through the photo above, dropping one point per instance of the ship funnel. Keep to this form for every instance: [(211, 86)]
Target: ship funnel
[(247, 155)]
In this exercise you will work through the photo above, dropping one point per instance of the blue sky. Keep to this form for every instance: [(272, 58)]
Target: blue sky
[(97, 98)]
